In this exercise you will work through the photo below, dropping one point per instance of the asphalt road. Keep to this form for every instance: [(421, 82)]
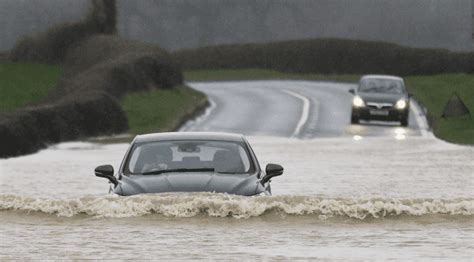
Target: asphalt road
[(301, 109)]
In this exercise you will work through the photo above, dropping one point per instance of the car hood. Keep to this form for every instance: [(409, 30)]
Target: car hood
[(381, 98), (189, 182)]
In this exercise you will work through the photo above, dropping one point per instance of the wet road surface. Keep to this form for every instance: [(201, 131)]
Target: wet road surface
[(300, 109)]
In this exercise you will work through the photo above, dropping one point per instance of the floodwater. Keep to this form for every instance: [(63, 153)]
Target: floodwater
[(345, 198)]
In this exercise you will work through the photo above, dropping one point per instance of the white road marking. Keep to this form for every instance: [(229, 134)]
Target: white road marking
[(304, 113)]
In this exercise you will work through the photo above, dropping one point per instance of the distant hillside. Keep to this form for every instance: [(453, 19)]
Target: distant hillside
[(177, 24)]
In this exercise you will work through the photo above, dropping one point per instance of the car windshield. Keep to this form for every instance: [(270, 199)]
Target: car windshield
[(189, 156), (374, 85)]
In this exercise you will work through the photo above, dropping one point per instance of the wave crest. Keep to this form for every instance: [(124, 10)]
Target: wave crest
[(223, 205)]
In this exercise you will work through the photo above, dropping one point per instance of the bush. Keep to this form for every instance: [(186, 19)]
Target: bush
[(3, 56), (86, 103), (99, 70), (328, 56), (116, 66), (51, 46), (27, 130), (106, 48)]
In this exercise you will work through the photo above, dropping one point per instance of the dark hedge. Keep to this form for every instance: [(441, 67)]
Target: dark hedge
[(51, 46), (117, 66), (3, 56), (99, 69), (328, 56), (86, 101), (30, 129)]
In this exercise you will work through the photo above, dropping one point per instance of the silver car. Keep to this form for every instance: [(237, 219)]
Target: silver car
[(190, 162)]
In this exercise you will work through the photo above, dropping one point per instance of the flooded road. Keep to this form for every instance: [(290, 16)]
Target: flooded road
[(406, 199), (369, 192)]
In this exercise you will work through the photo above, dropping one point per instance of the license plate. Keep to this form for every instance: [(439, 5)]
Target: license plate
[(379, 112)]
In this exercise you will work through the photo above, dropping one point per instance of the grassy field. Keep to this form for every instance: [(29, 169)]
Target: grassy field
[(432, 91), (22, 84), (161, 110)]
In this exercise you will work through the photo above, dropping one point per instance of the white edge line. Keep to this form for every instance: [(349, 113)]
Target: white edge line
[(304, 113)]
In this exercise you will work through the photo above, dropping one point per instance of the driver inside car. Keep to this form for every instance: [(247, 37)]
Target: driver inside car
[(155, 158)]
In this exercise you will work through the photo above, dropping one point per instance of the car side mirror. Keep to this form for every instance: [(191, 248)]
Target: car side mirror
[(352, 91), (106, 171), (272, 170)]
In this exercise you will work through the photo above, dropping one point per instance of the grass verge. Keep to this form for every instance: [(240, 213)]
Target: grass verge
[(432, 91), (162, 110), (23, 83)]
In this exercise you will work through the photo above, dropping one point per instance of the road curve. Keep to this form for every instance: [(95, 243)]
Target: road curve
[(301, 109)]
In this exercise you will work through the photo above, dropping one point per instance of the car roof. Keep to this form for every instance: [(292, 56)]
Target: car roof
[(166, 136), (382, 77)]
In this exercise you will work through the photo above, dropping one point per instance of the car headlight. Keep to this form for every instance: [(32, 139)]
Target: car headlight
[(401, 104), (358, 102)]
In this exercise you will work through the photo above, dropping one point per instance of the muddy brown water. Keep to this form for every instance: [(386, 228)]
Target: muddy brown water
[(340, 198)]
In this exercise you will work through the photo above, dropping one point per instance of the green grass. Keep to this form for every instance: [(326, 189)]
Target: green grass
[(432, 91), (23, 83), (161, 110)]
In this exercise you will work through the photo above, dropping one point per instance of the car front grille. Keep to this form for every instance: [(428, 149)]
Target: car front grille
[(379, 105)]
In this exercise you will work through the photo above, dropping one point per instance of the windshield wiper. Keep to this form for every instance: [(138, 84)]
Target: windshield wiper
[(157, 172)]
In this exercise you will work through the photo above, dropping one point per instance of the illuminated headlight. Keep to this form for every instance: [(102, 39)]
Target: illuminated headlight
[(358, 102), (401, 104)]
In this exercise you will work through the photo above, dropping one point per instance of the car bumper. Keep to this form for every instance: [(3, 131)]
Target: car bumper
[(391, 114)]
